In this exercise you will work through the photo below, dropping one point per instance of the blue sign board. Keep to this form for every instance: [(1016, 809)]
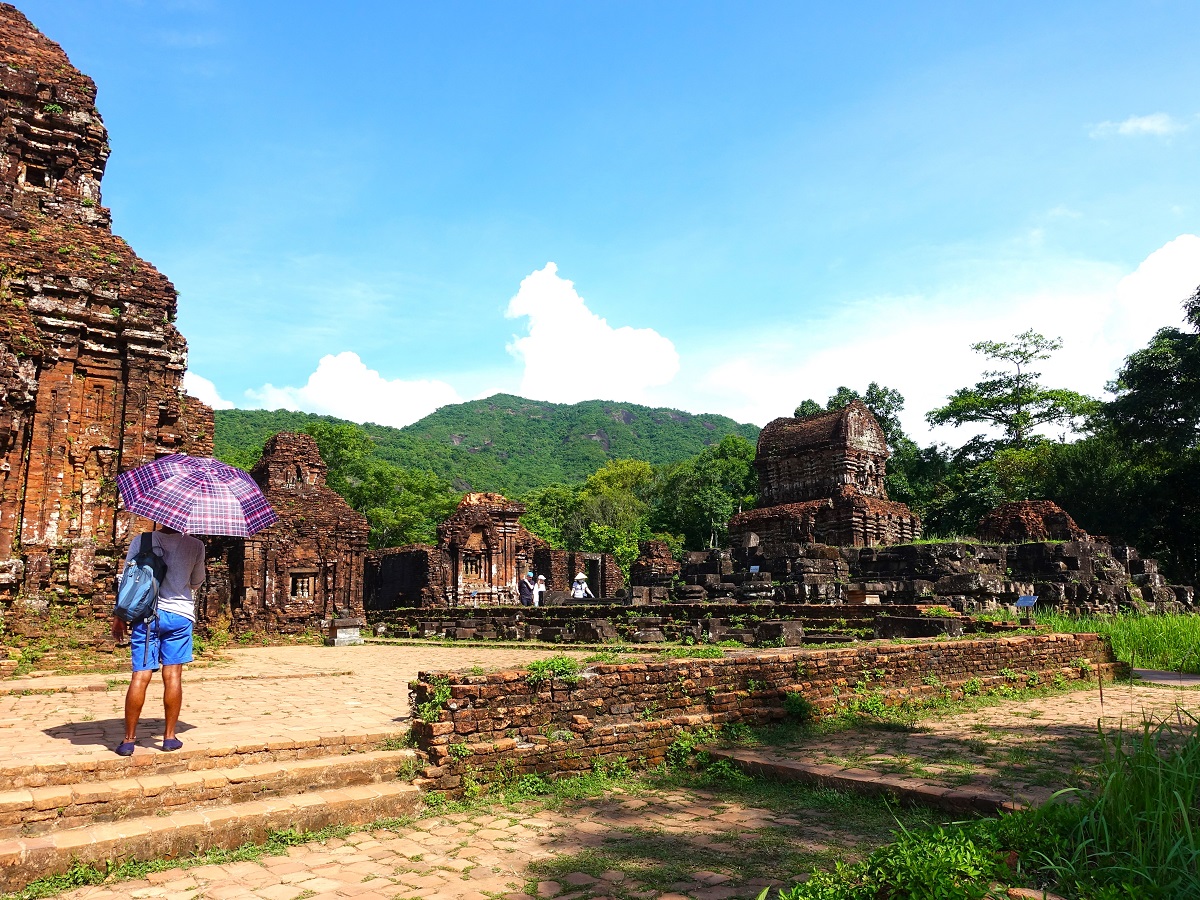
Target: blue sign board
[(1026, 602)]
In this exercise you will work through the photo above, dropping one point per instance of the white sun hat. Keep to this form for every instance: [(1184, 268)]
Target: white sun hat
[(581, 577)]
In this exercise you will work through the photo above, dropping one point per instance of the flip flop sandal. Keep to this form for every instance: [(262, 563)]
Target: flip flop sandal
[(126, 748), (170, 744)]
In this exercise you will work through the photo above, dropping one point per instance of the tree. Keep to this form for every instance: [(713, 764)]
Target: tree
[(697, 497), (402, 506), (808, 408), (551, 513), (1012, 398), (1157, 391)]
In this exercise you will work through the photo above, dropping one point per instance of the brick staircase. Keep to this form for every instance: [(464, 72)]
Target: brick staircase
[(157, 804)]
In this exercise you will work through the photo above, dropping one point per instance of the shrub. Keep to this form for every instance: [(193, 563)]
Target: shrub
[(431, 709), (799, 708), (563, 667)]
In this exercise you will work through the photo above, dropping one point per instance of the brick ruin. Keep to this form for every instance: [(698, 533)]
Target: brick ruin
[(505, 724), (91, 364), (307, 567), (482, 550), (821, 481), (1029, 520)]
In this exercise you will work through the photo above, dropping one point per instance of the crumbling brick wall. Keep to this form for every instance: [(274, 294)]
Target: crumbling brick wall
[(91, 364), (508, 726), (560, 567), (656, 565), (405, 577)]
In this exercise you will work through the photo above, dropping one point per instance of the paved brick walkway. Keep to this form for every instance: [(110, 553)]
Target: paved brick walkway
[(703, 845), (259, 695)]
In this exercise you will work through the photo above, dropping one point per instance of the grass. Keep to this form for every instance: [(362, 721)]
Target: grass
[(1167, 642), (1137, 834)]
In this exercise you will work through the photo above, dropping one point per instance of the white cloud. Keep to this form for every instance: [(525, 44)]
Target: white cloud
[(343, 386), (921, 345), (572, 354), (204, 391), (1157, 124)]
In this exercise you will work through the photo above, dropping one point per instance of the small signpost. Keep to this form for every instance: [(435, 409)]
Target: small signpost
[(1027, 603)]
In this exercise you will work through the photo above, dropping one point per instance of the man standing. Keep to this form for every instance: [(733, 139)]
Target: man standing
[(166, 640), (525, 589)]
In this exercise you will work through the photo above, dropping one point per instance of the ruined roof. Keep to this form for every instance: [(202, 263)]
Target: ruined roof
[(490, 501), (786, 436), (289, 451), (805, 510), (1029, 520), (23, 48)]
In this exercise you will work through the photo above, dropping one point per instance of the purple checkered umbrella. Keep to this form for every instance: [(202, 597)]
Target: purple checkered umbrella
[(196, 495)]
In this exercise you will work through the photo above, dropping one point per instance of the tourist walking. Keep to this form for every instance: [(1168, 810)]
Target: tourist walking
[(539, 591), (164, 640), (525, 589), (579, 588)]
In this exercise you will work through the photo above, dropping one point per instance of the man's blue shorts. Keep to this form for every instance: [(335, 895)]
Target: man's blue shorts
[(169, 640)]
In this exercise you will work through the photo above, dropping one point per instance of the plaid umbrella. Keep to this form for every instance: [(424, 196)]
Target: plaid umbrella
[(196, 495)]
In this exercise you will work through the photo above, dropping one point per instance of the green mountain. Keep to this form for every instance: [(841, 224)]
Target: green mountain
[(505, 443)]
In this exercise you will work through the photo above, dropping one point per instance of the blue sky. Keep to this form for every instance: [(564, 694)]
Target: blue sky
[(744, 204)]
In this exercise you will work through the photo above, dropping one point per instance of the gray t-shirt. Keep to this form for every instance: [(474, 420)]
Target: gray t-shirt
[(184, 556)]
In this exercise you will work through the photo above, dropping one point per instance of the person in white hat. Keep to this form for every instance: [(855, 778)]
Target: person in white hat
[(580, 589), (539, 590)]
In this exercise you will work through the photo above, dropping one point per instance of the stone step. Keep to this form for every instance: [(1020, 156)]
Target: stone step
[(865, 781), (32, 811), (183, 832), (148, 761)]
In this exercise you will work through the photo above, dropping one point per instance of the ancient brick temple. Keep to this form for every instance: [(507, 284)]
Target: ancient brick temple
[(482, 550), (91, 364), (305, 568), (821, 481)]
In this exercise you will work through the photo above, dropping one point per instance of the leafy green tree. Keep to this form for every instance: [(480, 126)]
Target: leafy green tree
[(1011, 398), (345, 448), (551, 513), (808, 408), (1137, 477), (1157, 401), (697, 497), (402, 506)]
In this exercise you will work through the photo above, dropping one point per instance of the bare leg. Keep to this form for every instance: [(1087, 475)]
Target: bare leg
[(172, 697), (134, 698)]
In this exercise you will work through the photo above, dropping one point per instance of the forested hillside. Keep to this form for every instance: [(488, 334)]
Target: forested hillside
[(505, 443)]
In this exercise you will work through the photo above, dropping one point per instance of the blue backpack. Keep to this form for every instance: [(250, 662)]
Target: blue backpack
[(137, 596)]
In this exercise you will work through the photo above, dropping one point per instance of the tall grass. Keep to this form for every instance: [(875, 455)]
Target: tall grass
[(1140, 835), (1168, 642)]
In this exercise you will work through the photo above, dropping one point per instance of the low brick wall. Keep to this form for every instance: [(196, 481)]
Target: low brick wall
[(500, 725), (749, 623)]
